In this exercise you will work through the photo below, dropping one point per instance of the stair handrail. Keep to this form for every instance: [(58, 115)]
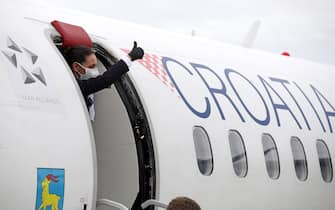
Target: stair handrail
[(110, 203), (153, 202)]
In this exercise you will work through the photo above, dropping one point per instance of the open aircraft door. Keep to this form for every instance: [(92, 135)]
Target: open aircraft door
[(124, 151)]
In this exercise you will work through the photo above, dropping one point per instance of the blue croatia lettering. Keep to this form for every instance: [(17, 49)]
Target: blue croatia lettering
[(264, 121), (267, 94), (213, 91), (322, 99), (203, 114)]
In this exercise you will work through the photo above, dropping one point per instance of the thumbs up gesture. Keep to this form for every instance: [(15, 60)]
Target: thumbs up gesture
[(136, 53)]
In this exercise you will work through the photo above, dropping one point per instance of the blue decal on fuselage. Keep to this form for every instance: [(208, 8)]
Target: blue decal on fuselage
[(50, 189)]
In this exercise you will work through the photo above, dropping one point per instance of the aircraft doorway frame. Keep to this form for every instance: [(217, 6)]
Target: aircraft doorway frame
[(141, 130)]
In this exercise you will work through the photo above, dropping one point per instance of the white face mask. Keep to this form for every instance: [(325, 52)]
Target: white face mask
[(90, 73)]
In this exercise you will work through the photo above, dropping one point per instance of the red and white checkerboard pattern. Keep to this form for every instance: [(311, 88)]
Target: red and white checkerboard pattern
[(153, 63)]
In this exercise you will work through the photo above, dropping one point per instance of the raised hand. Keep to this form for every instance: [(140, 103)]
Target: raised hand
[(136, 53)]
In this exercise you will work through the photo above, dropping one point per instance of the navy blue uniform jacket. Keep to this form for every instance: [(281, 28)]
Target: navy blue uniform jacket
[(103, 81)]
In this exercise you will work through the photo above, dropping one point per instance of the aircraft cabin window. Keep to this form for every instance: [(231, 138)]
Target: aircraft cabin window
[(238, 153), (325, 161), (203, 150), (271, 156), (299, 156)]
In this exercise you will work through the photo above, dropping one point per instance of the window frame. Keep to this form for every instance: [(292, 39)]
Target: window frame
[(202, 129), (277, 156), (297, 139), (245, 173), (329, 158)]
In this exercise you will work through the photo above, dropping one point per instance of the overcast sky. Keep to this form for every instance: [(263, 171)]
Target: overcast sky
[(305, 28)]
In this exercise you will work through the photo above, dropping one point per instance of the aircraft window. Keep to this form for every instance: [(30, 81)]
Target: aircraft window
[(299, 156), (203, 150), (325, 161), (271, 156), (238, 153)]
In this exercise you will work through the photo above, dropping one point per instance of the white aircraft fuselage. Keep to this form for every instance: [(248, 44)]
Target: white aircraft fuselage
[(190, 119)]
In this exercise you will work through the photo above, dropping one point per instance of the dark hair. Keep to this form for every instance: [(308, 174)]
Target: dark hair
[(77, 54), (183, 203)]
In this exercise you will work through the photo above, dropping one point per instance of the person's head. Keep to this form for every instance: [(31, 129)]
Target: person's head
[(183, 203), (81, 59)]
